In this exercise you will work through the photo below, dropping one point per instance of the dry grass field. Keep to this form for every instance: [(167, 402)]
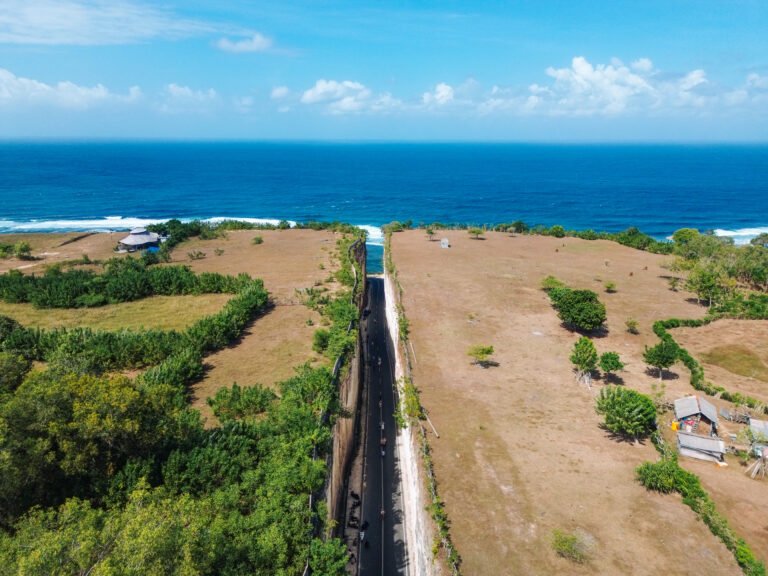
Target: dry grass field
[(521, 452), (158, 312), (274, 344), (52, 248), (288, 260)]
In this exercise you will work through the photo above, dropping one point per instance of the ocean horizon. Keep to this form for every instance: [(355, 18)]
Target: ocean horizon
[(98, 186)]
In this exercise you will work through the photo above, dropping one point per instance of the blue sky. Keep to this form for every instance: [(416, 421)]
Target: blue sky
[(538, 70)]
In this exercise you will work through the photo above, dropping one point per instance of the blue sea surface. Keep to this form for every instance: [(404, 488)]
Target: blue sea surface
[(658, 188)]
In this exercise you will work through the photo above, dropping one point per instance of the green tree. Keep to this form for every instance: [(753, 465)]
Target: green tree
[(328, 558), (610, 362), (557, 231), (519, 227), (662, 356), (710, 283), (579, 309), (430, 234), (13, 369), (22, 250), (760, 240), (475, 232), (481, 355), (584, 358), (684, 236), (626, 411)]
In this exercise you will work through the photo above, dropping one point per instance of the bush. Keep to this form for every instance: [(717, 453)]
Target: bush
[(659, 476), (632, 326), (569, 546), (257, 240), (551, 283), (610, 287), (578, 309), (320, 340), (626, 411)]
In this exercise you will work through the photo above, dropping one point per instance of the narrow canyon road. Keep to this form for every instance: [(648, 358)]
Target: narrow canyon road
[(382, 551)]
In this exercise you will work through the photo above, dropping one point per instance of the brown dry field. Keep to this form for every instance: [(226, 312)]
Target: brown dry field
[(749, 334), (277, 342), (59, 247), (520, 451)]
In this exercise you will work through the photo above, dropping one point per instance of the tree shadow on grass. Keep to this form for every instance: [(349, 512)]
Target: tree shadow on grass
[(608, 378), (487, 363), (622, 438), (601, 332), (665, 374)]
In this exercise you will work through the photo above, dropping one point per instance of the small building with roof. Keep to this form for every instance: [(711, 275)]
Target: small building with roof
[(708, 448), (696, 415), (139, 239)]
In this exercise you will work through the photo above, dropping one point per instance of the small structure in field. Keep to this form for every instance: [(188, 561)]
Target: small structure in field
[(759, 429), (707, 448), (445, 243), (139, 239), (696, 415)]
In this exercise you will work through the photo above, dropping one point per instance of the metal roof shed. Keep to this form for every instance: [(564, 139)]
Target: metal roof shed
[(692, 405), (701, 447), (759, 427)]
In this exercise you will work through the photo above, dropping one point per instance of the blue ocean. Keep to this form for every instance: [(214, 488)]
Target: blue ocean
[(116, 185)]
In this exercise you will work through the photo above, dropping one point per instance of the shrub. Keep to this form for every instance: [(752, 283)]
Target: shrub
[(578, 309), (611, 362), (569, 546), (551, 283), (257, 240), (610, 287), (481, 355), (659, 476), (320, 340), (557, 231), (626, 411), (632, 326)]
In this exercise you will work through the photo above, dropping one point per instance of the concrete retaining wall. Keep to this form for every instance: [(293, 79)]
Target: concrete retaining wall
[(419, 529), (345, 429)]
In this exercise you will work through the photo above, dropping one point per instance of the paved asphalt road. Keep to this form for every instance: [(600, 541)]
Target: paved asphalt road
[(384, 554)]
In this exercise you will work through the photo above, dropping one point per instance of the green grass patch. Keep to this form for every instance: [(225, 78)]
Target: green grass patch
[(738, 360)]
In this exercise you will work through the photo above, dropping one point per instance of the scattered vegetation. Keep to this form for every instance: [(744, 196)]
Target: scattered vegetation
[(257, 240), (125, 469), (475, 233), (667, 476), (610, 287), (632, 326)]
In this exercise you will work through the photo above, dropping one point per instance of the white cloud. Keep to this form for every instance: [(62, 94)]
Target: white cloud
[(440, 96), (757, 81), (348, 97), (585, 89), (642, 65), (693, 79), (19, 90), (279, 92), (325, 90), (90, 22), (256, 43), (178, 99)]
